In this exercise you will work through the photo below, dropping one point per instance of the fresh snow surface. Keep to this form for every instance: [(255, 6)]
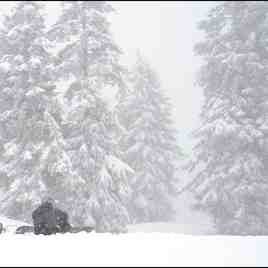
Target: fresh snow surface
[(152, 244), (131, 250), (169, 228), (11, 225), (187, 220)]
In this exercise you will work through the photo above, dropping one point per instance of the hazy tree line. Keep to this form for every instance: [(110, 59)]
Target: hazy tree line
[(110, 167), (231, 159), (58, 135)]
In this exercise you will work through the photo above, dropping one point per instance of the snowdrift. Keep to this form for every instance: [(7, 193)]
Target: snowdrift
[(11, 225), (169, 228), (132, 250), (152, 244)]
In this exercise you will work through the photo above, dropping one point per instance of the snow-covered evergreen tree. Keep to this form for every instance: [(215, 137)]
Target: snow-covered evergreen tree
[(149, 144), (88, 62), (33, 159), (231, 155)]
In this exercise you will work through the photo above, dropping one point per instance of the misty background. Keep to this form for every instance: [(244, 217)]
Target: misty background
[(165, 32), (93, 127)]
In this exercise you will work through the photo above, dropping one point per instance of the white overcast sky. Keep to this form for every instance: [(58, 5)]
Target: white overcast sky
[(165, 33)]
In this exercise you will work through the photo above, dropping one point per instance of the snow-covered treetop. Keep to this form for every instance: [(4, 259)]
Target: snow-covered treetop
[(86, 51)]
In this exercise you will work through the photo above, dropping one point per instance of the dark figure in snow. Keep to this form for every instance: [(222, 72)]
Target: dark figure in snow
[(44, 219), (50, 220)]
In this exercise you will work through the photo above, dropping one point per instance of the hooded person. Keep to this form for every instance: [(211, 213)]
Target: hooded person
[(44, 218), (48, 219)]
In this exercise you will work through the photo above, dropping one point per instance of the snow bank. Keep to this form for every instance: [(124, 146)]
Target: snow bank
[(188, 220), (132, 250), (183, 227), (151, 244), (11, 225)]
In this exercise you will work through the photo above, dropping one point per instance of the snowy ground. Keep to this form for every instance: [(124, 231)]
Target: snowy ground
[(132, 250), (169, 228), (182, 243), (11, 225), (151, 244)]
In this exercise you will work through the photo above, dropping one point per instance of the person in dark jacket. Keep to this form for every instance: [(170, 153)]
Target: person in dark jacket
[(50, 220), (44, 219)]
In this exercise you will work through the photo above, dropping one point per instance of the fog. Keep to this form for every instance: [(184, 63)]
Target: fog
[(62, 145), (165, 32)]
